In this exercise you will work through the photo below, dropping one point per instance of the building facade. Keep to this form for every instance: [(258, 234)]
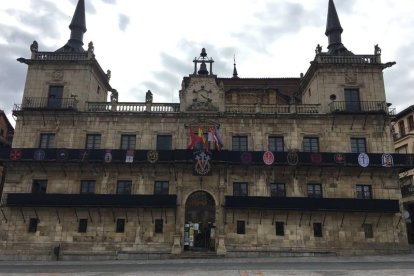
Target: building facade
[(239, 167), (403, 131)]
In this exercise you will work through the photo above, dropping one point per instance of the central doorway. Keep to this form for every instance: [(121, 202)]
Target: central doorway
[(199, 227)]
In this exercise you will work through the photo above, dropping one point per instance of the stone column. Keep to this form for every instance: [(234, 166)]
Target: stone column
[(221, 246), (177, 244)]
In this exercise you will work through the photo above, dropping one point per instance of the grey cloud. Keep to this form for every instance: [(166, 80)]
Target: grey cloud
[(12, 76), (123, 22), (109, 1), (275, 21), (399, 80)]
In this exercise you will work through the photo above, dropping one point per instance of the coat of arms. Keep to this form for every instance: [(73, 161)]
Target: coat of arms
[(202, 163)]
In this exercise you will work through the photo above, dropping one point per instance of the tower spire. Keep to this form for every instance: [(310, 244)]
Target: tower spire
[(334, 31), (235, 75), (77, 28)]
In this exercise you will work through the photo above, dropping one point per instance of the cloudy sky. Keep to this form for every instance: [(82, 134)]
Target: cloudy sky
[(151, 44)]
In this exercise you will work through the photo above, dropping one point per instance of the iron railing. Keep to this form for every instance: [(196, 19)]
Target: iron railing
[(402, 132), (46, 103), (361, 107)]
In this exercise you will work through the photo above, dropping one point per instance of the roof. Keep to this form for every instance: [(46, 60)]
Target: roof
[(9, 125), (405, 112)]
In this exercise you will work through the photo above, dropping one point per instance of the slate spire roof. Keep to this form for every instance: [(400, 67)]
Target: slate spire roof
[(77, 28), (334, 31)]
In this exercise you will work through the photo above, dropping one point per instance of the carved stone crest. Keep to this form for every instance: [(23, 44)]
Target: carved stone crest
[(351, 77), (57, 75)]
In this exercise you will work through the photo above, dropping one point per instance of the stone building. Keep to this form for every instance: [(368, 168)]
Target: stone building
[(6, 131), (239, 167), (6, 137), (403, 131)]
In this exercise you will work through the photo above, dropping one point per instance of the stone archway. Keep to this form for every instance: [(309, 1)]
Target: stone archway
[(200, 216)]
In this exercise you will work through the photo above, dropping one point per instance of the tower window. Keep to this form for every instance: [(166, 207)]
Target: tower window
[(120, 225), (83, 225), (159, 223), (33, 225), (47, 140), (241, 227)]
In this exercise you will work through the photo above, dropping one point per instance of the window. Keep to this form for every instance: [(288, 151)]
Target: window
[(241, 227), (276, 143), (164, 142), (310, 144), (358, 145), (161, 187), (87, 187), (239, 143), (124, 187), (411, 123), (47, 140), (352, 101), (240, 189), (277, 190), (315, 190), (120, 226), (369, 233), (128, 142), (55, 95), (317, 229), (280, 228), (159, 223), (93, 141), (401, 128), (402, 150), (364, 191), (39, 186), (83, 225), (33, 225)]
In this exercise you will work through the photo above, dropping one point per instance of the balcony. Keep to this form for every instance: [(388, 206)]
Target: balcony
[(403, 132), (184, 156), (43, 103), (89, 200), (373, 107), (312, 204)]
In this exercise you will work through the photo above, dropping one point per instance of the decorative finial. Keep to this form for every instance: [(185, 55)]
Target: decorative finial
[(34, 47), (235, 75), (114, 96), (148, 97), (108, 75), (377, 50), (318, 49)]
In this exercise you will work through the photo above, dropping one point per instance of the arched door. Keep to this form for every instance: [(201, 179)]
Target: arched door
[(199, 228)]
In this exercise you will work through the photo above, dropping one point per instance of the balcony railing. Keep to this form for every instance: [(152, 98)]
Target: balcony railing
[(403, 132), (404, 162), (60, 56), (361, 107), (273, 109), (46, 103), (358, 59), (133, 107)]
